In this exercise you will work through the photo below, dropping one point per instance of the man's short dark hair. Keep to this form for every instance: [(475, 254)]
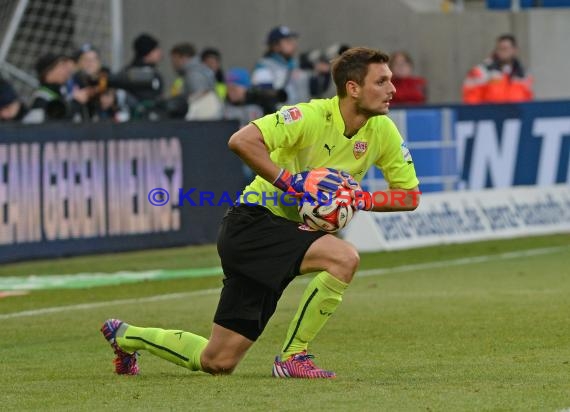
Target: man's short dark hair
[(508, 37), (352, 65), (210, 52), (184, 49)]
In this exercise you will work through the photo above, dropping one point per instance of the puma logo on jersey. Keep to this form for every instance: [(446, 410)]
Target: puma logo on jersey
[(329, 148), (325, 313)]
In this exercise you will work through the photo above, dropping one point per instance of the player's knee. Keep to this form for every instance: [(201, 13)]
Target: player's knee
[(219, 366), (222, 369), (355, 260), (346, 264), (351, 261)]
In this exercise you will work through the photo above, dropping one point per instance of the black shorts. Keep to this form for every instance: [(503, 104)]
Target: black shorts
[(261, 254)]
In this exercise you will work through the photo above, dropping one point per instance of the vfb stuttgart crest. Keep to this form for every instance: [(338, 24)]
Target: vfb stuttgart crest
[(359, 149)]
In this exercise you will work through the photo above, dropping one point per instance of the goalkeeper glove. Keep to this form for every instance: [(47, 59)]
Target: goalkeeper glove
[(362, 200), (313, 181)]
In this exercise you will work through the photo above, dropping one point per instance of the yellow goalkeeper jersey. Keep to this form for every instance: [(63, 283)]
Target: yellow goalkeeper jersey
[(311, 135)]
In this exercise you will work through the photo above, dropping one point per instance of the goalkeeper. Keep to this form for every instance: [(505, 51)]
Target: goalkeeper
[(264, 247)]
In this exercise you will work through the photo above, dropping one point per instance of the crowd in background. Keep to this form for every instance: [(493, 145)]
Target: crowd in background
[(80, 88)]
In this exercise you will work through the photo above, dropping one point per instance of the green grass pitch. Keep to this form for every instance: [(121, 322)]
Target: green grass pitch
[(479, 335)]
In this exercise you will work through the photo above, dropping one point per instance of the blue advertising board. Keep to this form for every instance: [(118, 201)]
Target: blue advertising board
[(485, 146), (513, 145)]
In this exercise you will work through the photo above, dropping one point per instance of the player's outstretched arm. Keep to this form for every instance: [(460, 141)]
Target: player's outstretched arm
[(391, 200), (396, 200)]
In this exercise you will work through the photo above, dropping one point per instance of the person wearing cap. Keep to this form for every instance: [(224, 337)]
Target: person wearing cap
[(278, 69), (11, 108), (147, 55), (51, 101), (238, 82), (241, 92), (238, 105)]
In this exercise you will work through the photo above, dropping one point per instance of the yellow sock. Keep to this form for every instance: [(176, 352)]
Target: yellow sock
[(319, 301), (176, 346)]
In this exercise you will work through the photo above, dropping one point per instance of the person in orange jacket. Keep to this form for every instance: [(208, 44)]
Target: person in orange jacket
[(499, 79)]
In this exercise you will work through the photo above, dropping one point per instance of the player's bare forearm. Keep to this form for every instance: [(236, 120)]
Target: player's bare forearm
[(396, 200), (248, 144)]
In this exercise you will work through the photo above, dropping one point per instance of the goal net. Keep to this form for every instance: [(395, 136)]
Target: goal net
[(32, 28)]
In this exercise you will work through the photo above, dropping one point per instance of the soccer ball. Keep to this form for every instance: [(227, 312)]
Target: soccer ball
[(327, 211)]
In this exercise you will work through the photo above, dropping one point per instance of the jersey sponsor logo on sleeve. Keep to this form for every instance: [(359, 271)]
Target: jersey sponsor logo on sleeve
[(291, 115), (359, 149), (406, 153)]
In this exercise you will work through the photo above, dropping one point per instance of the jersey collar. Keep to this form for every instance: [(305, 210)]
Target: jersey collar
[(336, 116), (339, 121)]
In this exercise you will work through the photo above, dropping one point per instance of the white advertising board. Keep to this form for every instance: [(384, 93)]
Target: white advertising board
[(465, 216)]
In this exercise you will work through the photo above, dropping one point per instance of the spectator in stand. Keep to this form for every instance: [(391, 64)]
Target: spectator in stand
[(501, 78), (104, 102), (143, 69), (241, 104), (87, 65), (51, 100), (278, 69), (240, 92), (11, 108), (196, 85), (213, 59), (238, 104), (410, 89), (319, 63)]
